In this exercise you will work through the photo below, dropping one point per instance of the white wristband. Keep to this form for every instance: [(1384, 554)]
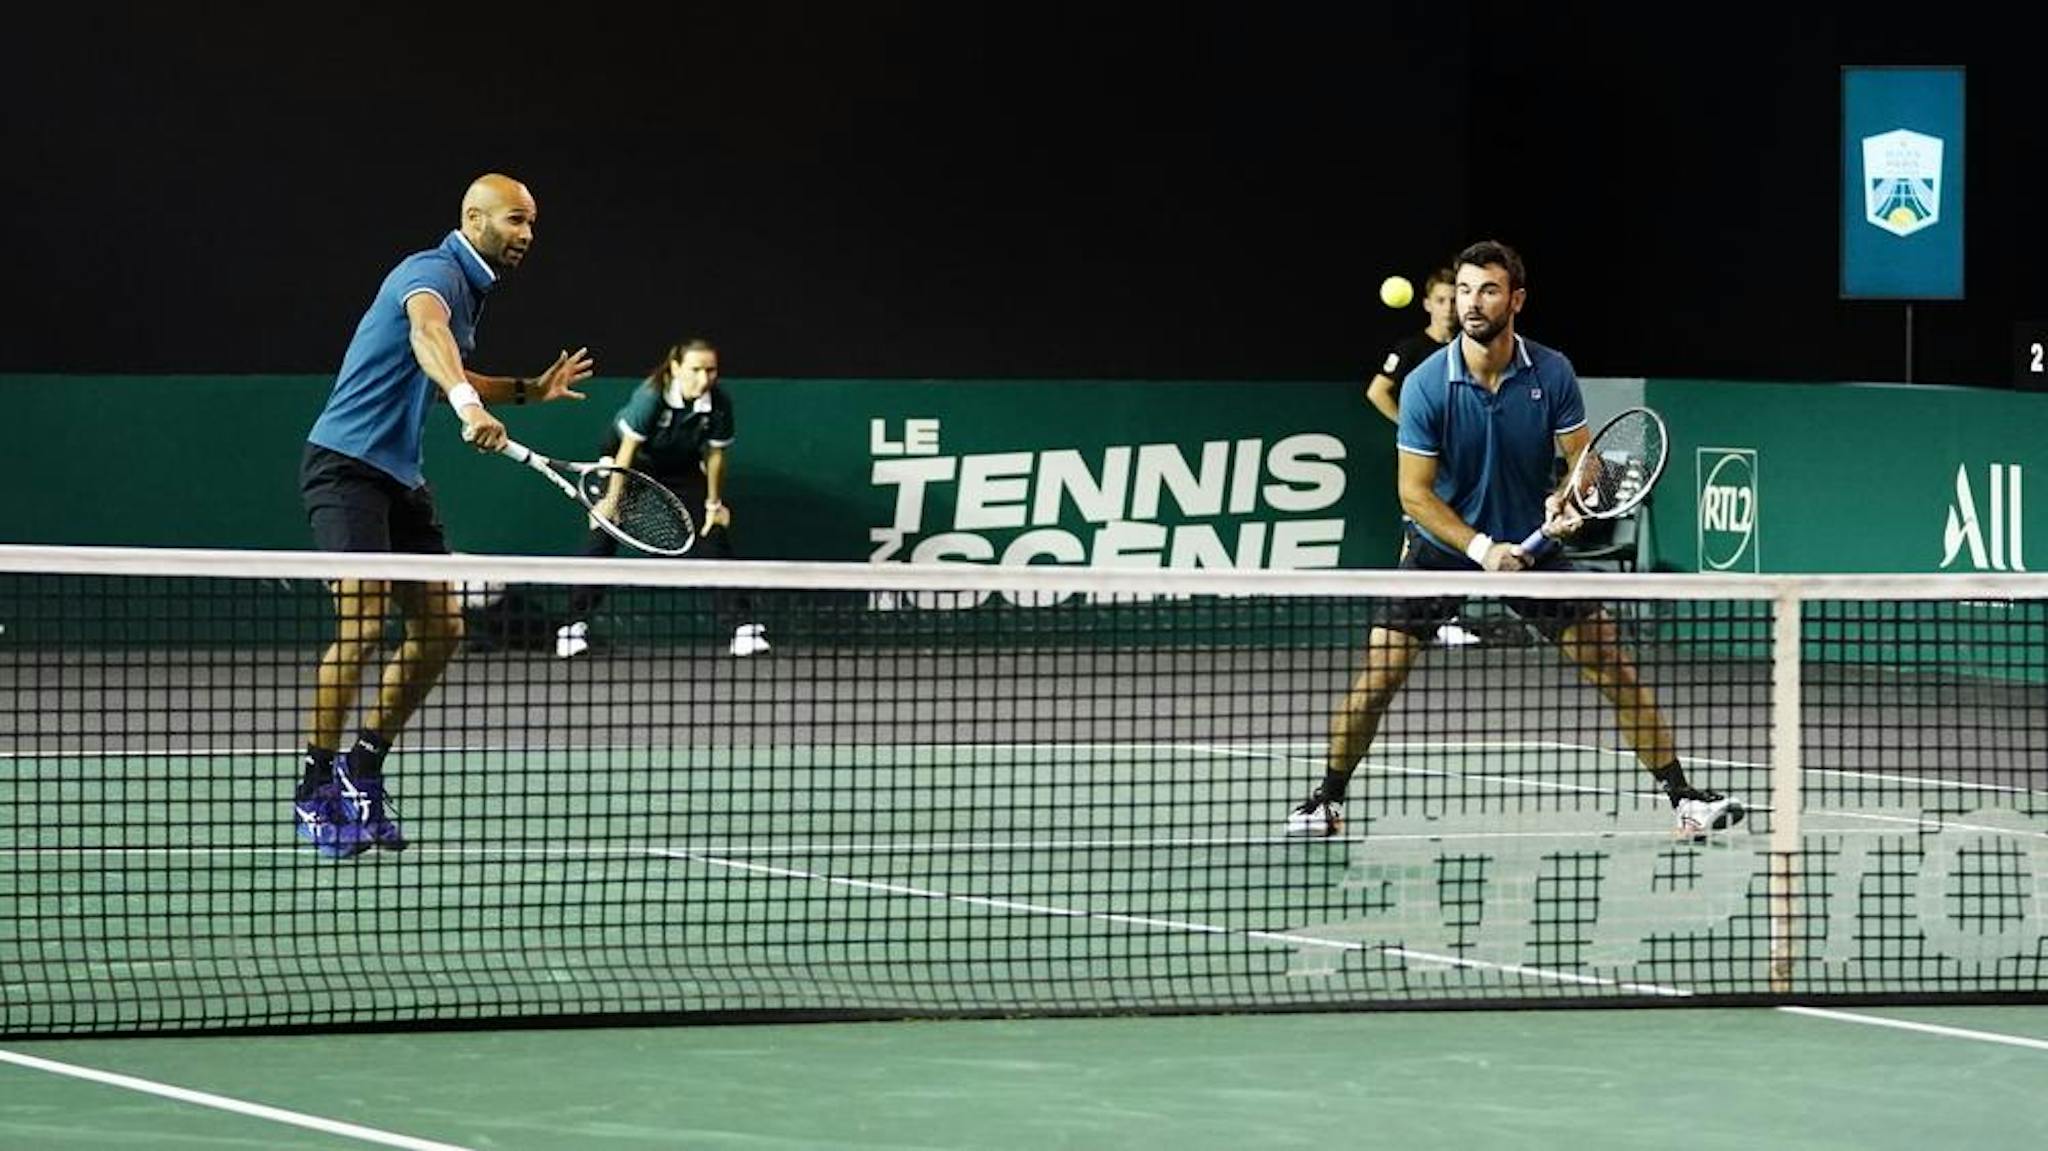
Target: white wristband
[(1477, 549), (464, 396)]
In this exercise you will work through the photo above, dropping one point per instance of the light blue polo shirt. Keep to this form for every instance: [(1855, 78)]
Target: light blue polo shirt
[(377, 411), (1495, 451)]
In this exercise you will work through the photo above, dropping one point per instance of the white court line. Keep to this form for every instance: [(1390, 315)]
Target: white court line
[(1959, 785), (1925, 1028), (1548, 745), (223, 1103), (568, 852), (1933, 822), (1170, 924), (1248, 749)]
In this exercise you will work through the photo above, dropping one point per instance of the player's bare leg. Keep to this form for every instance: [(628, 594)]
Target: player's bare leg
[(360, 608), (1389, 656), (433, 632), (1594, 643)]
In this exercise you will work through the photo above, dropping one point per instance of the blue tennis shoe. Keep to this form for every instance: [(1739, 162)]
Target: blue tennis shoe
[(370, 807)]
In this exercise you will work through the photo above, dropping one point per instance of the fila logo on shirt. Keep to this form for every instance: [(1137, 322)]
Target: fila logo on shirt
[(2001, 547)]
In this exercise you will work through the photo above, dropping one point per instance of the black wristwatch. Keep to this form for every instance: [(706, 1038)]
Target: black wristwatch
[(519, 390)]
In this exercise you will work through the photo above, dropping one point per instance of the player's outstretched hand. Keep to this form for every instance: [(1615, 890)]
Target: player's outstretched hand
[(560, 380)]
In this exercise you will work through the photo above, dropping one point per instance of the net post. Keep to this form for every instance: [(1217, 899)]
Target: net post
[(1786, 801)]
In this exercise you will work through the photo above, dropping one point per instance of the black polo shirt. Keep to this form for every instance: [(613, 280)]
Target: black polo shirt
[(673, 438), (1412, 349)]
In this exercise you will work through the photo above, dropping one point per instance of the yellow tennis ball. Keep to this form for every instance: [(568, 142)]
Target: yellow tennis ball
[(1396, 291)]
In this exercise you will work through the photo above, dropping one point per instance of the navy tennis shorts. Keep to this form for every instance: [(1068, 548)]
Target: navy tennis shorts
[(354, 507)]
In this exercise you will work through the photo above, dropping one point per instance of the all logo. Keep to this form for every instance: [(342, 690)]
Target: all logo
[(1994, 539), (1902, 181), (1727, 509)]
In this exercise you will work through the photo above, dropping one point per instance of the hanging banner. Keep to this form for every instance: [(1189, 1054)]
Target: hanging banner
[(1902, 183)]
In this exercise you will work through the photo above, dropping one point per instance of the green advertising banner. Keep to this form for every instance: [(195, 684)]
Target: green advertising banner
[(1848, 478), (1166, 474), (1764, 477), (1265, 475), (1188, 475)]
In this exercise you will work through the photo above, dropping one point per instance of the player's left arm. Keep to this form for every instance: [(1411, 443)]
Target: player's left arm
[(718, 436), (716, 514), (1561, 520), (1384, 393), (558, 382), (1568, 417)]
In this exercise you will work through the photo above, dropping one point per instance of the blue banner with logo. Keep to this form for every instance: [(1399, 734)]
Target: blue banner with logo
[(1902, 183)]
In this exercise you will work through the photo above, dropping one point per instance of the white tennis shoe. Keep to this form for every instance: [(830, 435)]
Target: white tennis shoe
[(749, 639), (1317, 816), (1702, 812), (572, 639), (1452, 635)]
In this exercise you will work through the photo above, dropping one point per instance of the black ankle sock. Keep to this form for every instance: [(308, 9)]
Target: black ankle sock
[(366, 758), (318, 768), (1672, 777), (1334, 783)]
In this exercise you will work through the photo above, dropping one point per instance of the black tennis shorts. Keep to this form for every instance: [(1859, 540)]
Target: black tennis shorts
[(354, 507), (1420, 617)]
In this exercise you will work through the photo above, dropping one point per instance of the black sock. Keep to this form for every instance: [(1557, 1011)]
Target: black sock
[(366, 758), (318, 769), (1672, 777), (1334, 783)]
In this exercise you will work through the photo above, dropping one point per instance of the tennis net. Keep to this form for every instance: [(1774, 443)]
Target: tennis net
[(961, 790)]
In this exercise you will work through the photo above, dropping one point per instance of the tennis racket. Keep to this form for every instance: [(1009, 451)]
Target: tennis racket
[(646, 515), (1614, 474)]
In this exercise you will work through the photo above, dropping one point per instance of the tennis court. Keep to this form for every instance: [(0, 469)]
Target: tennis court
[(970, 810)]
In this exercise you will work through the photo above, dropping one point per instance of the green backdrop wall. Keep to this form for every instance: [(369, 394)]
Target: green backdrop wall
[(1850, 478), (1765, 477), (1248, 474)]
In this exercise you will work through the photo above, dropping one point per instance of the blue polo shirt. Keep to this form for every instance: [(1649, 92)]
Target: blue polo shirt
[(378, 409), (1494, 451)]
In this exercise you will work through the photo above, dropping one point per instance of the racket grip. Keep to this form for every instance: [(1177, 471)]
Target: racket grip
[(516, 450), (1538, 545)]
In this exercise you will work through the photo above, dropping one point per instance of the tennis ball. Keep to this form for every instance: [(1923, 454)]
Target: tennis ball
[(1396, 291)]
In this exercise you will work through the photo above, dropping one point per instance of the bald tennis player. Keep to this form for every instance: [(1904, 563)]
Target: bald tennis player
[(364, 491)]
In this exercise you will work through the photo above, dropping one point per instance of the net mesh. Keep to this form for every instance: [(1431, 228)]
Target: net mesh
[(958, 791)]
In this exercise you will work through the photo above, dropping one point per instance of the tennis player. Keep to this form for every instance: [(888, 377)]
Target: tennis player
[(364, 491), (678, 428), (1481, 421)]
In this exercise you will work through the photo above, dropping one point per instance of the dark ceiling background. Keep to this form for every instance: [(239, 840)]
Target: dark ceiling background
[(900, 189)]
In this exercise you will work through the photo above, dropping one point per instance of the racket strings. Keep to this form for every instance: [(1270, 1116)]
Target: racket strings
[(1619, 466), (653, 515), (648, 514)]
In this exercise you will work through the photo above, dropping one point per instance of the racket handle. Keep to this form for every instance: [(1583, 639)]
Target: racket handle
[(516, 450), (1538, 545)]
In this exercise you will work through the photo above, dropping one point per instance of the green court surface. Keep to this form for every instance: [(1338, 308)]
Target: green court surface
[(1734, 1078), (621, 880)]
